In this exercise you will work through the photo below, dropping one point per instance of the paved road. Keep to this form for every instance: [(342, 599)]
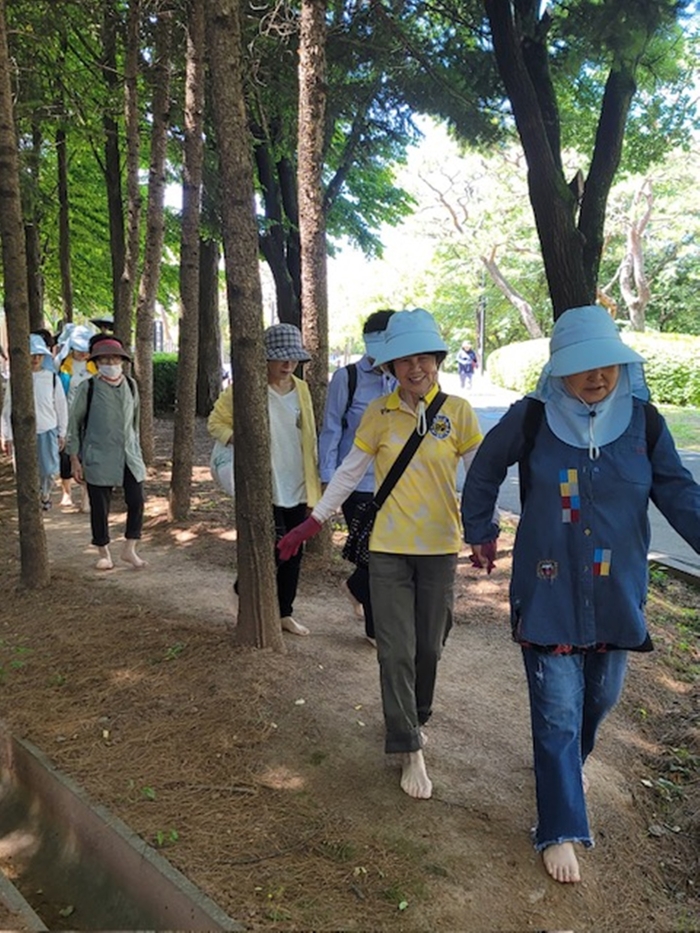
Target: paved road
[(491, 402)]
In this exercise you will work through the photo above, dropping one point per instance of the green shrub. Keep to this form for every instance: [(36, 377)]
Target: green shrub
[(672, 369), (164, 382)]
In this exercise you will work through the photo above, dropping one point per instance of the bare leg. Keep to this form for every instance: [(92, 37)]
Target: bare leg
[(66, 498), (561, 862), (414, 778)]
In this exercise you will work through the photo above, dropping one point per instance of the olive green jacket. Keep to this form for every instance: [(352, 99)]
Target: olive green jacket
[(107, 437)]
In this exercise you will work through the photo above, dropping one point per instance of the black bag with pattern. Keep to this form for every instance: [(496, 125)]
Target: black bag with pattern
[(356, 547)]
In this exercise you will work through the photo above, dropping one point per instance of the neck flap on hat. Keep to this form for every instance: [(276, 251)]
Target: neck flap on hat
[(591, 426)]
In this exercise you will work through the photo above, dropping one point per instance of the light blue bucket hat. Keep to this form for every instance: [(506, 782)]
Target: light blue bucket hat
[(38, 346), (409, 333), (587, 338)]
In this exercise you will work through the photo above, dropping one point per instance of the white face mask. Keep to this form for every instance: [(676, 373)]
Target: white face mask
[(79, 367), (112, 371)]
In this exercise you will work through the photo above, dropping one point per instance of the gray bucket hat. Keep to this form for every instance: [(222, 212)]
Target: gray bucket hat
[(283, 342)]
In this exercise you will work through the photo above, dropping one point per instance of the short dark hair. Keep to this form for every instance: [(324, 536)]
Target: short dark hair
[(376, 322), (439, 360), (46, 336)]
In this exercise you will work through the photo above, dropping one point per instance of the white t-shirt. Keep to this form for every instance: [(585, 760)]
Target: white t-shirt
[(288, 481)]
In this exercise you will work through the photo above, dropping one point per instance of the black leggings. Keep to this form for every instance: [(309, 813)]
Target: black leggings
[(100, 501)]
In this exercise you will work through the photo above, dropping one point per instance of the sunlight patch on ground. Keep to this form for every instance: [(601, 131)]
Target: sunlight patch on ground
[(281, 778), (183, 535), (678, 687), (126, 676)]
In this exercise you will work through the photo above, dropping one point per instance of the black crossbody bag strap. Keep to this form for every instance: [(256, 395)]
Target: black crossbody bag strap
[(407, 451)]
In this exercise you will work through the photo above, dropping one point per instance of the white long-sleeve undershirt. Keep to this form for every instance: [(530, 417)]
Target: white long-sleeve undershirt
[(349, 474)]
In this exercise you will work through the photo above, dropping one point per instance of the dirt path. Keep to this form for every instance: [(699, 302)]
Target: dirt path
[(271, 766)]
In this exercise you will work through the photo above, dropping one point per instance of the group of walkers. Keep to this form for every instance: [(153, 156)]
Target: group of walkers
[(87, 428), (592, 452)]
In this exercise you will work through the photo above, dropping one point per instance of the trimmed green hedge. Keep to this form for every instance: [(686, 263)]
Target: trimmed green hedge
[(164, 382), (672, 368)]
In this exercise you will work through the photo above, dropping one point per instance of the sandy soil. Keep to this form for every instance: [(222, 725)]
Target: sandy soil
[(270, 768)]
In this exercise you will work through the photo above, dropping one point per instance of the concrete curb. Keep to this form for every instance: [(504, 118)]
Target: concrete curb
[(105, 842)]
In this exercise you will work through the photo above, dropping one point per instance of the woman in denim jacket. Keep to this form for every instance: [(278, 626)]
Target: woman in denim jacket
[(592, 453)]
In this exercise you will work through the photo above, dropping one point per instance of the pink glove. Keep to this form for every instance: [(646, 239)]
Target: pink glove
[(289, 545), (486, 557)]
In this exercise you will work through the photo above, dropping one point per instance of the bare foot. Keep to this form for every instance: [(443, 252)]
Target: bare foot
[(105, 559), (561, 862), (414, 778), (289, 625), (356, 606), (131, 557)]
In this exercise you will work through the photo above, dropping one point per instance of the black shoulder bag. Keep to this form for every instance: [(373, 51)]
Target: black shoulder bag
[(356, 548)]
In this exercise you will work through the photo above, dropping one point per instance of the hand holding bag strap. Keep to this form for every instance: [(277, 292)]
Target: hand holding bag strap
[(407, 451)]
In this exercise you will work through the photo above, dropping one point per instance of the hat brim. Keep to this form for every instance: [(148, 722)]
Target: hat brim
[(95, 353), (592, 354), (408, 344), (287, 355)]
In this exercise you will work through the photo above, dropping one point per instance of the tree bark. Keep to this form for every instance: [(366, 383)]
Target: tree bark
[(32, 226), (186, 398), (258, 613), (64, 225), (155, 229), (634, 284), (112, 168), (127, 283), (209, 365), (514, 297), (34, 559), (312, 225)]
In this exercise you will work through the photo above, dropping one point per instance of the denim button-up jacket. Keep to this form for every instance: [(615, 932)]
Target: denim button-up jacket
[(580, 556)]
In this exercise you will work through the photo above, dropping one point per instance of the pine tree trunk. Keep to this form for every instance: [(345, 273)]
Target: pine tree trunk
[(183, 441), (155, 230), (34, 560), (209, 363), (127, 283), (258, 613)]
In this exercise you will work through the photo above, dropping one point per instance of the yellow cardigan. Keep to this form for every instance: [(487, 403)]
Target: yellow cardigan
[(220, 426)]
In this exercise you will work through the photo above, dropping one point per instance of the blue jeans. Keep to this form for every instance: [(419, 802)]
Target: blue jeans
[(570, 695)]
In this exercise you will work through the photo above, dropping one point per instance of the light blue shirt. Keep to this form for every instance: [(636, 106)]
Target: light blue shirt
[(334, 441)]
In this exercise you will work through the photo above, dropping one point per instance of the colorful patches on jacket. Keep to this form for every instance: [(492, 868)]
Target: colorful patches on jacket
[(601, 562), (570, 499)]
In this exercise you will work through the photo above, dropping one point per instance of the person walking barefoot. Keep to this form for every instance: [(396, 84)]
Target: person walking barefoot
[(105, 451)]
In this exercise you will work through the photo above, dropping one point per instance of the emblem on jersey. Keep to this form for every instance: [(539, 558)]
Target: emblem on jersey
[(441, 426)]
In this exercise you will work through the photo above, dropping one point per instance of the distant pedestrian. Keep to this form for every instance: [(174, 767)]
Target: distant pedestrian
[(51, 413), (104, 447), (74, 367), (466, 364)]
